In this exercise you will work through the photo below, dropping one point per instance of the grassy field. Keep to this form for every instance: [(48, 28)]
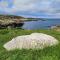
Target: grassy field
[(50, 53)]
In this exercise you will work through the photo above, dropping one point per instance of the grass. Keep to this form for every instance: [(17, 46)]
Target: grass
[(50, 53)]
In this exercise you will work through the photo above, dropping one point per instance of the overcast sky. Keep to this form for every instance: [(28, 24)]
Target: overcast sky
[(31, 8)]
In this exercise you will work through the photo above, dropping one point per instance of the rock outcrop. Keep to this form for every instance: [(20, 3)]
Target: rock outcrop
[(32, 41), (11, 20)]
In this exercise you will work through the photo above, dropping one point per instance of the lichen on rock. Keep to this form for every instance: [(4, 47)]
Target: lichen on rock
[(32, 41)]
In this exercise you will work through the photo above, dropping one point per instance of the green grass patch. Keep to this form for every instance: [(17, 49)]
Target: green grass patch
[(50, 53)]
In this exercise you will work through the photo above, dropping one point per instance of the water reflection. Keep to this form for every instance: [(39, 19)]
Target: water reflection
[(40, 24)]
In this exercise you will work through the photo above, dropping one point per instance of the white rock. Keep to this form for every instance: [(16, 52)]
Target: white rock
[(32, 41)]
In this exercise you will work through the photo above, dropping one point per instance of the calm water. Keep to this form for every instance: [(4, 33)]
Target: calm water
[(41, 24)]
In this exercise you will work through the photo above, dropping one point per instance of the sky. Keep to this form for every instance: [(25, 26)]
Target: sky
[(31, 8)]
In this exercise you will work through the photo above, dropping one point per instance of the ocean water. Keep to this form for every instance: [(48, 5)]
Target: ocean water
[(41, 24)]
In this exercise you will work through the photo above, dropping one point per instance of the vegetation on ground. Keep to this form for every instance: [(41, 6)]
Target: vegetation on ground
[(49, 53)]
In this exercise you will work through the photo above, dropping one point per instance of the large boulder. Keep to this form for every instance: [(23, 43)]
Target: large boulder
[(32, 41)]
